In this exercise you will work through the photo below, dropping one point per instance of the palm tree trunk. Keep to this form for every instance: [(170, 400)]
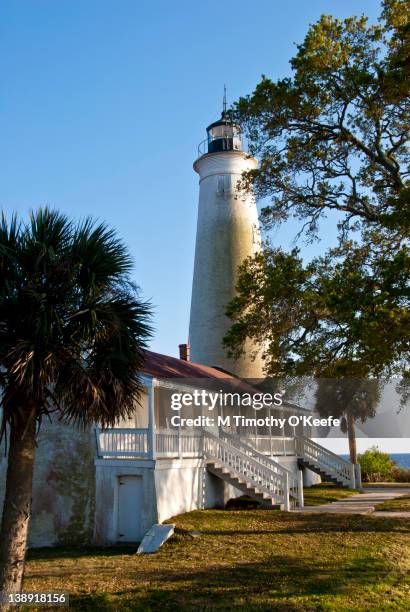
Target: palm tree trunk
[(17, 506), (351, 433)]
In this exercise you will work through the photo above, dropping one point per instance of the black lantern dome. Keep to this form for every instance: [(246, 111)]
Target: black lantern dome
[(224, 135)]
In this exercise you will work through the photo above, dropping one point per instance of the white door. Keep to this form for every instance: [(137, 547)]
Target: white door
[(129, 508)]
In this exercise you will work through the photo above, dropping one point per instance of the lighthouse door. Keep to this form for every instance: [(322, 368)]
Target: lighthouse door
[(129, 508)]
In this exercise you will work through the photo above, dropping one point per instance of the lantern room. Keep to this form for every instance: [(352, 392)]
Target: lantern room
[(224, 135)]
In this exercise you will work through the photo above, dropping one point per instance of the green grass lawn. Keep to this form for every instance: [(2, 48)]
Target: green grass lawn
[(396, 505), (256, 560), (325, 493)]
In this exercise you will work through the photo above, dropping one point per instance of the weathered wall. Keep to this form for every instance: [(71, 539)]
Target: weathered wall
[(63, 486)]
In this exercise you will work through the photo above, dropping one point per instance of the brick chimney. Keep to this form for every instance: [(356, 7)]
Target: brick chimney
[(184, 352)]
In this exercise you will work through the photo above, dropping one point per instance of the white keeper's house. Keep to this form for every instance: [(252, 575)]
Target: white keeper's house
[(109, 486)]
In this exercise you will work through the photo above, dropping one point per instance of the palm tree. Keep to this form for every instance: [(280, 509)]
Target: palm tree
[(72, 336), (350, 400)]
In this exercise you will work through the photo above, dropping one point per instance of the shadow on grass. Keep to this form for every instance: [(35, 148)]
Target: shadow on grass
[(307, 524), (257, 578), (280, 582), (287, 524), (76, 552)]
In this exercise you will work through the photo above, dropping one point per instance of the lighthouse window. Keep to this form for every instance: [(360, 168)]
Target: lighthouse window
[(224, 184), (221, 131), (224, 131)]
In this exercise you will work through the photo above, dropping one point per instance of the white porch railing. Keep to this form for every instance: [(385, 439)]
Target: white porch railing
[(326, 460), (122, 442), (272, 445), (118, 442), (178, 443), (169, 443)]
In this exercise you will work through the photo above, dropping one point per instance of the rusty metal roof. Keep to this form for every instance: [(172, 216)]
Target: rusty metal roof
[(164, 366)]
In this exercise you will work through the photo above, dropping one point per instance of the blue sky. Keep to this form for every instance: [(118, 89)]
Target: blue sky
[(103, 104)]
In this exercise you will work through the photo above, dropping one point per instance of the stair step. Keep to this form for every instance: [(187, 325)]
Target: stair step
[(248, 487), (244, 479), (322, 471)]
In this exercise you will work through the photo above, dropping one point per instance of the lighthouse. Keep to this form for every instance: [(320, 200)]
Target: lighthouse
[(227, 233)]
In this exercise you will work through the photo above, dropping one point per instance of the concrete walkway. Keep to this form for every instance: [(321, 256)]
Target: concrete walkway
[(362, 503)]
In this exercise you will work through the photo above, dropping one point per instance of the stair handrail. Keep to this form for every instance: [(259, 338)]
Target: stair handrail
[(309, 449), (320, 447), (260, 476), (249, 450)]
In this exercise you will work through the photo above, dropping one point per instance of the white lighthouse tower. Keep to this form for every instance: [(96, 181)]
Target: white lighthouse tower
[(227, 233)]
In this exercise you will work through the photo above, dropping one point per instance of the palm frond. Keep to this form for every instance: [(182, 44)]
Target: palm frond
[(73, 328)]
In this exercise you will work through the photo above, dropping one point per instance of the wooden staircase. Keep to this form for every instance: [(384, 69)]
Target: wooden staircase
[(229, 476), (260, 477), (277, 486), (325, 463), (323, 473)]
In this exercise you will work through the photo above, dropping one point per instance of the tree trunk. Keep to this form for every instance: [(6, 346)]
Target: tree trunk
[(351, 433), (17, 506)]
